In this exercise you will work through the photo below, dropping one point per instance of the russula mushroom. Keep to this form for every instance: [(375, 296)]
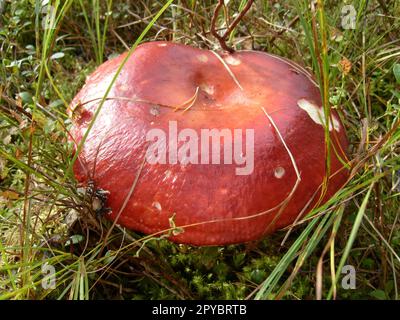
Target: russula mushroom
[(226, 147)]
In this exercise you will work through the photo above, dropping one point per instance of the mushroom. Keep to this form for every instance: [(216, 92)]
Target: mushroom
[(218, 148)]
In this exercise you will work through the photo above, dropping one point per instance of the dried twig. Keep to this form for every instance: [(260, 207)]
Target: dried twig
[(222, 39)]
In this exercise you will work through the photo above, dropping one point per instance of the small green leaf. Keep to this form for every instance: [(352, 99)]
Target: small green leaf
[(110, 256), (57, 55), (378, 294), (396, 71), (74, 239), (368, 263), (26, 97)]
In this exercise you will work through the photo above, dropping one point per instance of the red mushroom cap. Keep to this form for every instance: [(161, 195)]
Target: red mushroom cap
[(172, 87)]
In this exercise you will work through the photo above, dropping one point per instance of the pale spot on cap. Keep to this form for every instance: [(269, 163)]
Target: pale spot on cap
[(157, 205), (279, 172), (202, 58), (162, 45), (317, 114), (232, 60), (123, 87), (155, 110)]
